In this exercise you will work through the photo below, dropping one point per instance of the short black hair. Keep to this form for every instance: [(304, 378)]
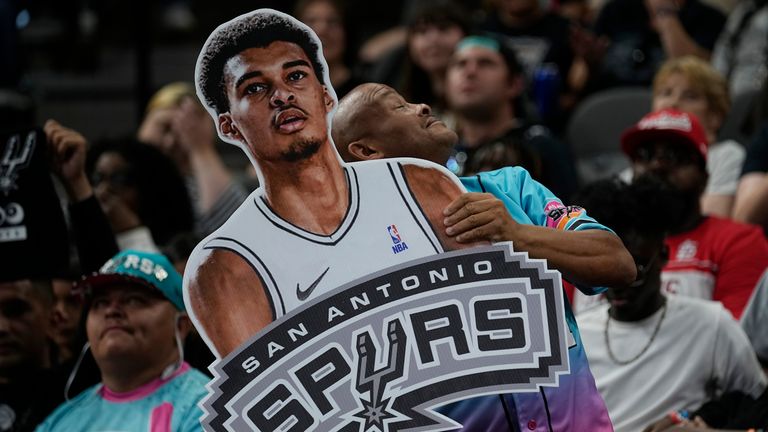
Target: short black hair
[(257, 29)]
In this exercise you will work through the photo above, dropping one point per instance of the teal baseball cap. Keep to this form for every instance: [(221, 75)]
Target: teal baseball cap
[(151, 270)]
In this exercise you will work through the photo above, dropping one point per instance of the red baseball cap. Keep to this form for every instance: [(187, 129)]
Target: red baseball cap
[(670, 125)]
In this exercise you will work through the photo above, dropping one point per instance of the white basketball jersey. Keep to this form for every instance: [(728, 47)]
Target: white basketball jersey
[(383, 226)]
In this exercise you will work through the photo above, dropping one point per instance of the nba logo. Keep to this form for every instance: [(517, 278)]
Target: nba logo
[(394, 234), (397, 242)]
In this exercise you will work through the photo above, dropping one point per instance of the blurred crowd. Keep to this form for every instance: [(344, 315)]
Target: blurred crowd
[(91, 313)]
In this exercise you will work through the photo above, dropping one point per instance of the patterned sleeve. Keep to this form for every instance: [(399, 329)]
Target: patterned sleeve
[(547, 210), (528, 201)]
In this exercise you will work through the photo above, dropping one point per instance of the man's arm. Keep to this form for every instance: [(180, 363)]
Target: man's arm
[(93, 235), (590, 257), (751, 198), (735, 363), (434, 191), (675, 39), (226, 297)]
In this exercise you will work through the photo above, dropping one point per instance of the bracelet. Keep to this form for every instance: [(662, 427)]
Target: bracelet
[(679, 415)]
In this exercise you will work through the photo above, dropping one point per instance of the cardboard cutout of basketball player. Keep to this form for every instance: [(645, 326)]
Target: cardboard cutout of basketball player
[(315, 222), (320, 289)]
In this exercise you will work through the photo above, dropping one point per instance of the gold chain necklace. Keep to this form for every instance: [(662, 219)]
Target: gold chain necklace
[(648, 345)]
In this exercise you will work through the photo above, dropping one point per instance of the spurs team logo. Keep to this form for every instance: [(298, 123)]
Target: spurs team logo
[(16, 156), (381, 353), (398, 245)]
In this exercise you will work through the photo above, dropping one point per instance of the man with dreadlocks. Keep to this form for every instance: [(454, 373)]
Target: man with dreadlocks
[(651, 353)]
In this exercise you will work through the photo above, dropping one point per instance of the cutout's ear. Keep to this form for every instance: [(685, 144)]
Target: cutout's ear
[(228, 127), (328, 100), (362, 151)]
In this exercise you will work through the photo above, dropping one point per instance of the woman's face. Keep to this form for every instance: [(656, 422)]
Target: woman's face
[(431, 45), (324, 19), (113, 179), (676, 92)]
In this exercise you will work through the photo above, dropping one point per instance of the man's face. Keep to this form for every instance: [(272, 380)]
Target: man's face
[(66, 313), (130, 323), (24, 324), (431, 45), (277, 106), (403, 129), (675, 164), (478, 82), (323, 18)]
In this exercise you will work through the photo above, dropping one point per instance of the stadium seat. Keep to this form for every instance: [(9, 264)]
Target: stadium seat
[(594, 130)]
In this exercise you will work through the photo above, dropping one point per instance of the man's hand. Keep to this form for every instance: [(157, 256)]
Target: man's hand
[(667, 425), (479, 217), (660, 425), (121, 217), (589, 257), (588, 46), (661, 9), (67, 148)]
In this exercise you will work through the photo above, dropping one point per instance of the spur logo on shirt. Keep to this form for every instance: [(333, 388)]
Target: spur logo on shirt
[(559, 215), (398, 245), (380, 353)]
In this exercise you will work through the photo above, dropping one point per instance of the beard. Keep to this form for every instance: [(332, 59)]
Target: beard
[(301, 150), (677, 205)]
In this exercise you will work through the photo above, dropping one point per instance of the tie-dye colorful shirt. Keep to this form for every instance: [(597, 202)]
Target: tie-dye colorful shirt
[(575, 405), (162, 405)]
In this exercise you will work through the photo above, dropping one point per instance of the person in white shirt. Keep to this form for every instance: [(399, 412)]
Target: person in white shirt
[(651, 354)]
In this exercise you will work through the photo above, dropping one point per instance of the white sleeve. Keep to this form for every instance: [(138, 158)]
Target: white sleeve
[(139, 238), (735, 364), (724, 166), (755, 318)]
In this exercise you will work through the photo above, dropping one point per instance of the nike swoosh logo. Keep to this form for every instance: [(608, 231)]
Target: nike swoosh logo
[(303, 295)]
